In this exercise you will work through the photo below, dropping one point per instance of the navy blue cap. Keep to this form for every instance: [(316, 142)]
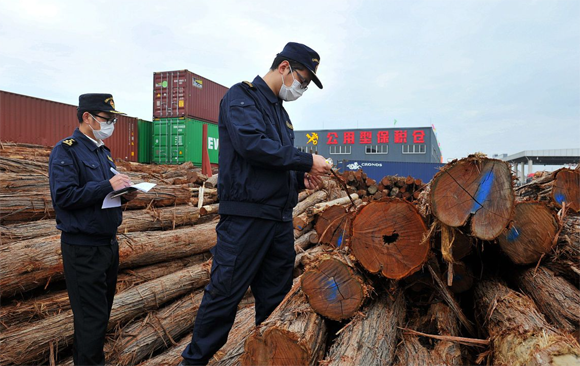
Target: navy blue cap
[(98, 103), (304, 55)]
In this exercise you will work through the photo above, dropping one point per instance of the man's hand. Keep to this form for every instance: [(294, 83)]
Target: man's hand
[(312, 181), (319, 165), (120, 181)]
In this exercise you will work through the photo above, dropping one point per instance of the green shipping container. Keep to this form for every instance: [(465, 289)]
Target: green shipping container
[(177, 140), (145, 135)]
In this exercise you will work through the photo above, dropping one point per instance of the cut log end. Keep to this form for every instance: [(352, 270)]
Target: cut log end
[(531, 234), (333, 289), (477, 187), (567, 189), (388, 237)]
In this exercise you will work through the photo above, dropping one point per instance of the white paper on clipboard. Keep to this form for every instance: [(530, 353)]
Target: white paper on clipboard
[(113, 199)]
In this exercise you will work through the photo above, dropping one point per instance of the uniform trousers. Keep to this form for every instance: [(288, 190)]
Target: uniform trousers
[(250, 252), (91, 278)]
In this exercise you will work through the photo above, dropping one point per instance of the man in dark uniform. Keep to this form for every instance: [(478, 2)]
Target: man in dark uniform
[(80, 177), (260, 174)]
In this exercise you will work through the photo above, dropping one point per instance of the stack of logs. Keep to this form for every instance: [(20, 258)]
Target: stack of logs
[(465, 269)]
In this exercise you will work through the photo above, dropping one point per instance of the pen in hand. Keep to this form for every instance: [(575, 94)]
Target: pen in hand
[(119, 180)]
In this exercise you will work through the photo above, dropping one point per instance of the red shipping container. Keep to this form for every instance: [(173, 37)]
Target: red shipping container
[(185, 94), (38, 121)]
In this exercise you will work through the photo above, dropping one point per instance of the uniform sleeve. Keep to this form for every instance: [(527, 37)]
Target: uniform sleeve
[(247, 130), (65, 189), (300, 181)]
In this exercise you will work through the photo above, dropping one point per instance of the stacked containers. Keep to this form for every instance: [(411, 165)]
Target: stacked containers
[(182, 103), (145, 134), (32, 120)]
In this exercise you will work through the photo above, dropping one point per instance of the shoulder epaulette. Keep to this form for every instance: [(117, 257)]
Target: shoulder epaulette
[(250, 85), (69, 142)]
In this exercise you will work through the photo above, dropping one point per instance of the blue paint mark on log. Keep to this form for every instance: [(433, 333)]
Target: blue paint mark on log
[(332, 290), (339, 241), (513, 234), (483, 191), (560, 198)]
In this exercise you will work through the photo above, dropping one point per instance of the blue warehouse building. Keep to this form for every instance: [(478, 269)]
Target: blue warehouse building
[(378, 151)]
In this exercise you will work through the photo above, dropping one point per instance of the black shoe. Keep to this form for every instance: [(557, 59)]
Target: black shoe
[(186, 362)]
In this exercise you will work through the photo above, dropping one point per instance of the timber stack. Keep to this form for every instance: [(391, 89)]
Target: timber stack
[(465, 269)]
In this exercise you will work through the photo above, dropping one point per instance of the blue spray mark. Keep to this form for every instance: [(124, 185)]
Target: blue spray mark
[(513, 234), (483, 191), (333, 290), (339, 241), (560, 198)]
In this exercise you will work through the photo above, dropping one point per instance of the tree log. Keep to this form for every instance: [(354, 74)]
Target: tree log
[(134, 220), (209, 209), (19, 311), (439, 321), (23, 182), (477, 187), (556, 298), (32, 263), (371, 337), (31, 343), (28, 206), (159, 328), (161, 196), (229, 354), (293, 335), (519, 333), (566, 188), (309, 201), (333, 225), (333, 287), (388, 238), (531, 235), (565, 259)]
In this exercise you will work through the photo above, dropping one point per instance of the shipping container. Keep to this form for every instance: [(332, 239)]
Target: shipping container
[(379, 169), (44, 122), (144, 144), (177, 140), (182, 93)]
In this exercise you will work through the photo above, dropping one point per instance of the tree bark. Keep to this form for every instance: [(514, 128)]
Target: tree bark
[(32, 263), (161, 196), (531, 235), (229, 354), (371, 337), (333, 287), (134, 220), (293, 335), (31, 343), (27, 206), (388, 238), (475, 187), (309, 201), (565, 259), (556, 298), (519, 333), (50, 304)]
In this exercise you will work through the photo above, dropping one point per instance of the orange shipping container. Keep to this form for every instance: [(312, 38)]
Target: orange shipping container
[(32, 120)]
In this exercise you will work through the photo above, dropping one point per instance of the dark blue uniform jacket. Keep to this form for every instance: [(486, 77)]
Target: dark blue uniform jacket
[(79, 174), (260, 169)]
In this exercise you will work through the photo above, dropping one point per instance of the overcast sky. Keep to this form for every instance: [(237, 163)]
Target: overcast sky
[(492, 76)]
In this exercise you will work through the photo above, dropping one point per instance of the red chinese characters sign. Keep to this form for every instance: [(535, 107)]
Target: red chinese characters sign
[(382, 137)]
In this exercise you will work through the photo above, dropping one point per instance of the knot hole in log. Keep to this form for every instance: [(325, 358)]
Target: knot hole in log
[(390, 239)]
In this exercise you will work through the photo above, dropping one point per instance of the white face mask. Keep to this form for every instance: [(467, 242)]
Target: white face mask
[(105, 131), (293, 92)]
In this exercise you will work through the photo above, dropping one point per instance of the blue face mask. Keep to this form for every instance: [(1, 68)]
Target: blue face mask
[(293, 92)]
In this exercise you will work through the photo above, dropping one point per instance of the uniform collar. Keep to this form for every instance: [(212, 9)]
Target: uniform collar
[(87, 141), (265, 90)]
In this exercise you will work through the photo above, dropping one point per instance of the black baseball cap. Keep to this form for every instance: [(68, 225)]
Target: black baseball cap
[(304, 55), (97, 102)]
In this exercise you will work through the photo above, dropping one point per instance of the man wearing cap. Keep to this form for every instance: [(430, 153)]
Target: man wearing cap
[(260, 174), (80, 177)]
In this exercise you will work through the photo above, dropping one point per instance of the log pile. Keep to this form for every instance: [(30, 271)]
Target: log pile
[(464, 269)]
